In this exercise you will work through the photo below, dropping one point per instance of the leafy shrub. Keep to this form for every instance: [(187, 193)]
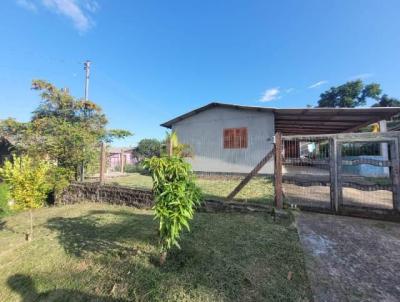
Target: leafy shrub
[(176, 197), (137, 168), (28, 183)]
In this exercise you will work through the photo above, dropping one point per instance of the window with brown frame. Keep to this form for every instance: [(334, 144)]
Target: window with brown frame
[(235, 138)]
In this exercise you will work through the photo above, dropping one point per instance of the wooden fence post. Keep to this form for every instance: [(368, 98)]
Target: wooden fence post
[(102, 162), (333, 173), (122, 155), (278, 170), (395, 174)]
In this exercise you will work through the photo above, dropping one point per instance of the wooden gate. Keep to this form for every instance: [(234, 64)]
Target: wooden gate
[(350, 173)]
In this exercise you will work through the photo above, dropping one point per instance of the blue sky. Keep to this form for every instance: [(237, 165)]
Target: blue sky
[(154, 60)]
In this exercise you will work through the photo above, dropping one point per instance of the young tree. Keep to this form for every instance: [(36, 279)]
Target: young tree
[(175, 147), (350, 94), (28, 183), (149, 147), (176, 197)]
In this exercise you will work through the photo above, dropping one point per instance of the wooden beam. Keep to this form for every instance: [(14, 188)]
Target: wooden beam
[(317, 122), (249, 176), (333, 173), (278, 171)]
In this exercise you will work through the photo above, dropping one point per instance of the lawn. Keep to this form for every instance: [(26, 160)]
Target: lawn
[(99, 252), (259, 189)]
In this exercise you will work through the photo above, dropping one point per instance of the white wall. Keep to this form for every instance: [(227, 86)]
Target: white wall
[(204, 133)]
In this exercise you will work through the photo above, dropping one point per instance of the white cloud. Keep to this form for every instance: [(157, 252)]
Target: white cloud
[(92, 6), (270, 95), (361, 76), (27, 4), (78, 11), (289, 90), (315, 85), (71, 9)]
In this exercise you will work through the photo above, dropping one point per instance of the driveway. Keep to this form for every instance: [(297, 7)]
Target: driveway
[(351, 259)]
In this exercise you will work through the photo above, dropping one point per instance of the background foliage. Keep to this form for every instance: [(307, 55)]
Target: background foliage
[(63, 130)]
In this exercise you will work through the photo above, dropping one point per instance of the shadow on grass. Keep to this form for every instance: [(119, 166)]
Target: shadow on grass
[(224, 258), (2, 225), (103, 232), (25, 287)]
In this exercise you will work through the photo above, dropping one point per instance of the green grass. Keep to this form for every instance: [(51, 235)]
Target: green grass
[(98, 252), (259, 189), (4, 208)]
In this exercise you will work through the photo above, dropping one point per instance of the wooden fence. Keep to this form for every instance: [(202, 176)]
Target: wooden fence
[(348, 173)]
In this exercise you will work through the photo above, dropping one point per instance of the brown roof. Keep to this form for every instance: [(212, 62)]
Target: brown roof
[(309, 120)]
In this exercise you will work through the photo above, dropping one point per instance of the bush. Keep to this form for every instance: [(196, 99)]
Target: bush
[(28, 183), (137, 168), (176, 197)]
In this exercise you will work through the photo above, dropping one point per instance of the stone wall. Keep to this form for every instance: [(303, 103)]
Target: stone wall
[(78, 192), (140, 198)]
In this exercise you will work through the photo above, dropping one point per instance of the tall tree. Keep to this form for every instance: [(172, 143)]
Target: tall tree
[(62, 129), (350, 95), (386, 101)]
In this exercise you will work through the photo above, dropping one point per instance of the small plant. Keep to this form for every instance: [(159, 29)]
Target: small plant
[(176, 197), (28, 184)]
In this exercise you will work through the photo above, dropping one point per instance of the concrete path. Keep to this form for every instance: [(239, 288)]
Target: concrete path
[(351, 259)]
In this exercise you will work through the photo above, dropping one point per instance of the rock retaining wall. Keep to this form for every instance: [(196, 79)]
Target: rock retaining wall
[(141, 198), (78, 192)]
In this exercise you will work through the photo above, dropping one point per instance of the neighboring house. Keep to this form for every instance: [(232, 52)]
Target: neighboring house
[(233, 139), (120, 157)]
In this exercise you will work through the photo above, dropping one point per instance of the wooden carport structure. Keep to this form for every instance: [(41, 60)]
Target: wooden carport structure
[(313, 121), (329, 120)]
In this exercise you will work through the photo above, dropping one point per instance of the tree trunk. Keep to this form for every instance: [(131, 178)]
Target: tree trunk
[(163, 257)]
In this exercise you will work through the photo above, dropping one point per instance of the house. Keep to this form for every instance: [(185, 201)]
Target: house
[(117, 158), (227, 138)]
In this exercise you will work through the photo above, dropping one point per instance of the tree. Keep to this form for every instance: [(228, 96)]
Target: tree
[(175, 147), (350, 94), (149, 147), (63, 129), (386, 101), (28, 183), (176, 196)]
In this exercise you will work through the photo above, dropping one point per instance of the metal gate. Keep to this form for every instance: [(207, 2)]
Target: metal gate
[(350, 173)]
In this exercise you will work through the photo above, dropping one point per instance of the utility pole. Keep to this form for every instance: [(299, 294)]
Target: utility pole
[(86, 67), (87, 77)]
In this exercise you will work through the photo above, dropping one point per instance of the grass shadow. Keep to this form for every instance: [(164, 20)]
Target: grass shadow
[(24, 285), (225, 257), (103, 232)]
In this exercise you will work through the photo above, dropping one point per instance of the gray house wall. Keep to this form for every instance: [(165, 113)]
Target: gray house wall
[(204, 133)]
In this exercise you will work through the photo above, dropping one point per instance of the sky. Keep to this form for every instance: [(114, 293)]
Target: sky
[(154, 60)]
